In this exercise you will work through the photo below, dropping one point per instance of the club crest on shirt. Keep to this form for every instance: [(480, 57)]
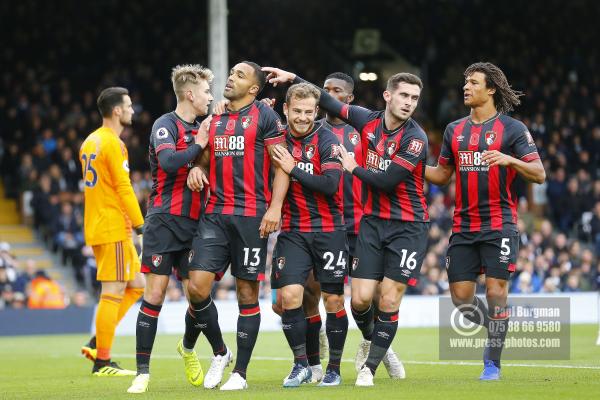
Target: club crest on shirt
[(354, 138), (309, 150), (280, 262), (415, 147), (187, 138), (490, 137), (156, 259), (391, 148), (246, 121), (474, 141)]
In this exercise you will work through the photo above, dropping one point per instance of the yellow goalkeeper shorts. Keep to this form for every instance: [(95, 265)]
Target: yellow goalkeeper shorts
[(117, 261)]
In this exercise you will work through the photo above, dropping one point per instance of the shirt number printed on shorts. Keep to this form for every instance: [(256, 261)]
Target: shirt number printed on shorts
[(255, 256), (504, 247), (329, 257), (89, 168), (410, 262)]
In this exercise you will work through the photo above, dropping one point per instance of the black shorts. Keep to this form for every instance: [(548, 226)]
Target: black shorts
[(167, 243), (390, 248), (222, 240), (296, 254), (352, 238), (473, 253)]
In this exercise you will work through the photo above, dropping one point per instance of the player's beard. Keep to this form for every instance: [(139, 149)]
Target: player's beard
[(126, 122)]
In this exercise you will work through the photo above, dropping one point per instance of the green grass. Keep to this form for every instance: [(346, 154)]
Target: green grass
[(50, 367)]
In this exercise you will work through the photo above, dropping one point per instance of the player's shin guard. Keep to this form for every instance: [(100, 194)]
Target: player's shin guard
[(145, 333), (383, 336), (205, 319), (364, 321), (337, 330), (106, 323), (294, 328), (313, 328), (247, 332)]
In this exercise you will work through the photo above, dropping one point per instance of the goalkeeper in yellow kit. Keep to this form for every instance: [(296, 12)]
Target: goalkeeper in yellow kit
[(111, 210)]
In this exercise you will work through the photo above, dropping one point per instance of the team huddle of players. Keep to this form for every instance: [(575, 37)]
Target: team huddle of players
[(347, 193)]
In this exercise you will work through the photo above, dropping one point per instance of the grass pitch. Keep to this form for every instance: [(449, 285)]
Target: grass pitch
[(50, 367)]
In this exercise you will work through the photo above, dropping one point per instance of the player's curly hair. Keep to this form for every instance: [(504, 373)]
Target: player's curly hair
[(182, 75), (505, 97)]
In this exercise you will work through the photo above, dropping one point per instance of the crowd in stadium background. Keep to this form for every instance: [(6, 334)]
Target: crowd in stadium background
[(47, 107)]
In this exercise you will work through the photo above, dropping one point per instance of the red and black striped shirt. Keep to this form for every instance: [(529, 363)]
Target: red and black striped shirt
[(405, 146), (240, 167), (308, 207), (351, 187), (170, 194), (485, 197)]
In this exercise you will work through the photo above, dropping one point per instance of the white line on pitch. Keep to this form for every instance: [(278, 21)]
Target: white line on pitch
[(466, 363)]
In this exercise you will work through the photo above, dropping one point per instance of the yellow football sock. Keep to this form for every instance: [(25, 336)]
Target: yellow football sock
[(132, 295), (106, 323)]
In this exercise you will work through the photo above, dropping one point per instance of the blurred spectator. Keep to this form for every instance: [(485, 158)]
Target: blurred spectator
[(45, 293), (80, 299), (25, 276), (8, 261), (68, 235)]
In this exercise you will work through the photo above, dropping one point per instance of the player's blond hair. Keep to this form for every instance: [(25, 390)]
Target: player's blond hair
[(302, 91), (189, 74)]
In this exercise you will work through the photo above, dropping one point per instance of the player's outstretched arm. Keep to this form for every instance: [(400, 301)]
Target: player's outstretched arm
[(276, 76), (386, 181), (354, 115), (327, 183), (439, 175)]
